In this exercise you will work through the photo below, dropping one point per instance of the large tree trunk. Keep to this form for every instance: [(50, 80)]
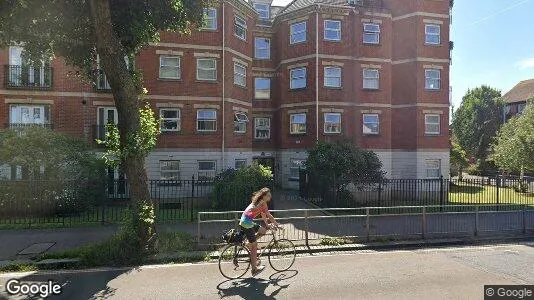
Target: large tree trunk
[(126, 93)]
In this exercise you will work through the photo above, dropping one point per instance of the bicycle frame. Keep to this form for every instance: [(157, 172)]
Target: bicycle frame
[(273, 241)]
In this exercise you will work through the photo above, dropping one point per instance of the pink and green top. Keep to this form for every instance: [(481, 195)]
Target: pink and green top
[(250, 213)]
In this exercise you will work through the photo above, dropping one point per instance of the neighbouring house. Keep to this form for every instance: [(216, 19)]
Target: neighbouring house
[(516, 99), (280, 78)]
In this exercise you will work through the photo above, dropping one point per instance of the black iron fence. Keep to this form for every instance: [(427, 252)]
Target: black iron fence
[(330, 192), (30, 203)]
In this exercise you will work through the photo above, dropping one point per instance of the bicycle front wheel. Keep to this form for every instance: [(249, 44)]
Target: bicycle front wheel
[(282, 255), (234, 261)]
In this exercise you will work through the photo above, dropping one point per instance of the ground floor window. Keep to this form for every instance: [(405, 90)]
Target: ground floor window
[(206, 170), (169, 169)]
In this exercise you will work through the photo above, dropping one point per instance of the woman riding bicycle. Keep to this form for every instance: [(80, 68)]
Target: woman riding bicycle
[(254, 231)]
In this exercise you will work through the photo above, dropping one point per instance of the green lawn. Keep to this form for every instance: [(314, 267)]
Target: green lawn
[(473, 194)]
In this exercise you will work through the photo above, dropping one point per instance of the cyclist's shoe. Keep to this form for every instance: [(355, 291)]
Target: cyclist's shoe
[(258, 270)]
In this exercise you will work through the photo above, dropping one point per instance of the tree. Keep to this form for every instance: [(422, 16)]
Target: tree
[(333, 166), (513, 150), (68, 174), (458, 159), (476, 122), (77, 30)]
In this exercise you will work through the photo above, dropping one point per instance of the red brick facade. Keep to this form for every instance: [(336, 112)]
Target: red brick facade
[(401, 101)]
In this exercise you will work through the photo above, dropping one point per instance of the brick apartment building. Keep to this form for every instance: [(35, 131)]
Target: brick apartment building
[(264, 83)]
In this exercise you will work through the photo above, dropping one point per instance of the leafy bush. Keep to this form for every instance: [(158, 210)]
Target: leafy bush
[(60, 174), (331, 167), (233, 188), (521, 187)]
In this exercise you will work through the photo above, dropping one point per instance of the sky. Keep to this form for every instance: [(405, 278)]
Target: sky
[(493, 44)]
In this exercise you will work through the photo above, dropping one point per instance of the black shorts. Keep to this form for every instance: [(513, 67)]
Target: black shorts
[(250, 233)]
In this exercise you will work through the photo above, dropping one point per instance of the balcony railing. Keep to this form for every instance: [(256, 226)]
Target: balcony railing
[(102, 84), (24, 77), (28, 125)]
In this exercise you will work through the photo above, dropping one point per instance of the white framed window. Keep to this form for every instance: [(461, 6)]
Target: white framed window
[(371, 33), (262, 48), (240, 163), (240, 122), (432, 79), (433, 168), (240, 28), (371, 79), (22, 73), (432, 34), (206, 120), (210, 19), (332, 30), (169, 169), (169, 67), (28, 115), (332, 77), (297, 123), (432, 124), (295, 167), (240, 74), (263, 9), (332, 123), (206, 69), (170, 119), (262, 88), (206, 169), (297, 33), (371, 124), (298, 78), (262, 128)]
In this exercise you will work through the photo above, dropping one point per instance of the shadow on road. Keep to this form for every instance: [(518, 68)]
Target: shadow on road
[(78, 285), (256, 288)]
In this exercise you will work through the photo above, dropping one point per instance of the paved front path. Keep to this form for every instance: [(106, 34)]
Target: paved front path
[(421, 274)]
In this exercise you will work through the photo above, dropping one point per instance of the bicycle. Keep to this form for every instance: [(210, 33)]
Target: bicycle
[(236, 256)]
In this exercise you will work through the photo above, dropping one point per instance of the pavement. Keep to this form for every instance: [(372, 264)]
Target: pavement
[(14, 241), (439, 273), (319, 226)]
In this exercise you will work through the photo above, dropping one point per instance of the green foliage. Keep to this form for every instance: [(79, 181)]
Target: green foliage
[(513, 149), (477, 120), (334, 241), (60, 174), (345, 162), (175, 241), (139, 144), (458, 158), (233, 188), (65, 28)]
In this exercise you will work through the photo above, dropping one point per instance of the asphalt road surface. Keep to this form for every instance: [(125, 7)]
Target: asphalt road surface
[(445, 273)]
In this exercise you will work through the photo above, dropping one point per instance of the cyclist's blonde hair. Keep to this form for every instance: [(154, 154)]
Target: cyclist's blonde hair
[(258, 195)]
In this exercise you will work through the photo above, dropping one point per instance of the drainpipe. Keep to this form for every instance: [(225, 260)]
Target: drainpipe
[(223, 160), (317, 73)]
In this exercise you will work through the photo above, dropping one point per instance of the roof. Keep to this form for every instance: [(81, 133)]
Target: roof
[(523, 91), (298, 4)]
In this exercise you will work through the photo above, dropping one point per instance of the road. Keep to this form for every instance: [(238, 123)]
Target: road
[(445, 273)]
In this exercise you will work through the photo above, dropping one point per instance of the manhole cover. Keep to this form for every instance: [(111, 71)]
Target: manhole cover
[(36, 248)]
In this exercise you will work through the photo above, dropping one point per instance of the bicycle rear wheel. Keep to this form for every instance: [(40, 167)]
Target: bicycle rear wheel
[(234, 261), (282, 255)]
